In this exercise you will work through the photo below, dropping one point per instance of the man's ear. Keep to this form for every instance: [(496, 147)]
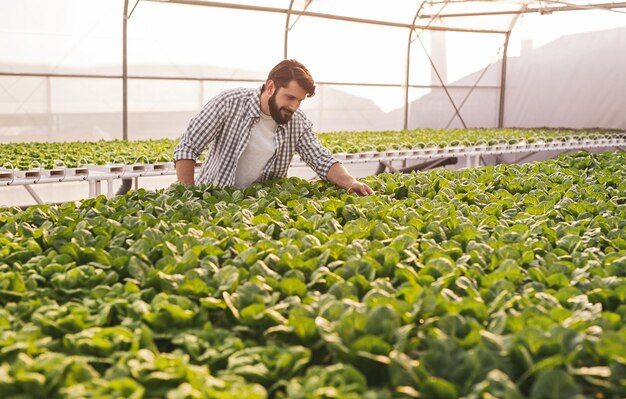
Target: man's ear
[(270, 87)]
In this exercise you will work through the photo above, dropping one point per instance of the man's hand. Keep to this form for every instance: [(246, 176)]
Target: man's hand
[(360, 189), (338, 175)]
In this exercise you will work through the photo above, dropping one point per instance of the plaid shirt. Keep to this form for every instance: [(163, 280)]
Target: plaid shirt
[(225, 123)]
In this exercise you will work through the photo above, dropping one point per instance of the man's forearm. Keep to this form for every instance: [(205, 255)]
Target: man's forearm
[(338, 175), (185, 171)]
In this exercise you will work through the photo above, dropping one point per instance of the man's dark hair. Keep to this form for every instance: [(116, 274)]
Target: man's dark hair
[(289, 70)]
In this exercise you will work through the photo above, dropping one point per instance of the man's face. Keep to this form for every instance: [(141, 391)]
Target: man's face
[(285, 101)]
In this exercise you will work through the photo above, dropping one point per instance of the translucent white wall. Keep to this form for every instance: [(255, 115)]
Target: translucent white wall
[(573, 76), (357, 54), (187, 42), (458, 66), (61, 37)]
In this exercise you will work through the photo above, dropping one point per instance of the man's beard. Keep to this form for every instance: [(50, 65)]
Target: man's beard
[(280, 115)]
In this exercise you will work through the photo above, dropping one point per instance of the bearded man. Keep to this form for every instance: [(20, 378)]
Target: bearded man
[(254, 133)]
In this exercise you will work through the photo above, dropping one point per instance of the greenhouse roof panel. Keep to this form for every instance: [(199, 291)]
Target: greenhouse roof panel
[(398, 11), (437, 14)]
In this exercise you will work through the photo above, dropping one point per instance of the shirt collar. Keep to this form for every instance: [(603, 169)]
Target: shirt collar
[(254, 105)]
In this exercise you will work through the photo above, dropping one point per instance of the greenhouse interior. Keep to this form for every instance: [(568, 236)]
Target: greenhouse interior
[(313, 199)]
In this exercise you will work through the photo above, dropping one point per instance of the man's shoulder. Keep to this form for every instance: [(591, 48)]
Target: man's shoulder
[(239, 98), (233, 96), (237, 93), (300, 120)]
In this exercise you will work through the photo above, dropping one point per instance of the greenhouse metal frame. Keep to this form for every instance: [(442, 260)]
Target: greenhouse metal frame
[(433, 12)]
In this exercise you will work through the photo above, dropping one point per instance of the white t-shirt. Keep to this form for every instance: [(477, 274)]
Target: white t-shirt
[(259, 150)]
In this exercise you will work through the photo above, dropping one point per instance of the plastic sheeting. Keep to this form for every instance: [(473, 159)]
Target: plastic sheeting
[(577, 79), (61, 64)]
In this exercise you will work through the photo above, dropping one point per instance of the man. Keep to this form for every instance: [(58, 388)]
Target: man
[(253, 134)]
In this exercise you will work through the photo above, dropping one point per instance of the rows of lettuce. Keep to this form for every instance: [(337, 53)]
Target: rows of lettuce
[(78, 154), (26, 156), (505, 282), (354, 142)]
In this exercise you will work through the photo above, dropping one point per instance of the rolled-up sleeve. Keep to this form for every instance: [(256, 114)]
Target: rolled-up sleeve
[(314, 154), (202, 130)]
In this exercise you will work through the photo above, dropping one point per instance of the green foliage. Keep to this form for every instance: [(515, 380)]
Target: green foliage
[(352, 142), (26, 156), (504, 281)]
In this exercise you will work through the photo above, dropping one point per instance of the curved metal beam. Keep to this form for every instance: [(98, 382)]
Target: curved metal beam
[(408, 68), (320, 15), (611, 7)]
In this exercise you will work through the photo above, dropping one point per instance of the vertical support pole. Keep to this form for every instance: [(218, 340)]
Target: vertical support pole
[(110, 188), (125, 73), (407, 75), (503, 80)]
